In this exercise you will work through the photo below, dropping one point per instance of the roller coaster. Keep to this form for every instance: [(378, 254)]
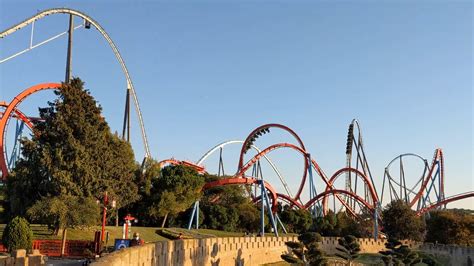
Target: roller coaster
[(316, 191), (358, 195), (87, 23)]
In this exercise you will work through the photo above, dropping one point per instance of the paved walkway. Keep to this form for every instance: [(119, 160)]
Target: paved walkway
[(65, 262)]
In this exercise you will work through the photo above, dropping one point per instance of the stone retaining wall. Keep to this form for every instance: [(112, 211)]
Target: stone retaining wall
[(250, 251), (209, 251), (367, 245), (457, 255)]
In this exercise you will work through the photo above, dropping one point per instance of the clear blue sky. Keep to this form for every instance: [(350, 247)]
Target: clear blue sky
[(210, 71)]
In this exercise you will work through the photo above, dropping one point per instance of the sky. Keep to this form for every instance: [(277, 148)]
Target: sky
[(210, 71)]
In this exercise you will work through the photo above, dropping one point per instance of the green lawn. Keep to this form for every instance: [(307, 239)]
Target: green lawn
[(218, 233), (41, 232), (365, 258), (370, 259), (205, 233), (148, 234)]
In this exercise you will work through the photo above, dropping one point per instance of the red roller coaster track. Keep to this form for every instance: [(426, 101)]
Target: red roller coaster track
[(447, 200), (371, 200), (19, 115), (438, 157), (273, 147), (172, 161), (244, 181), (338, 191), (285, 128), (11, 109)]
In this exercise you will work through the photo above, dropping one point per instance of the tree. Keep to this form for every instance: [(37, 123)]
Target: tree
[(72, 152), (4, 206), (151, 171), (296, 221), (221, 218), (17, 234), (182, 219), (326, 225), (229, 208), (360, 226), (65, 211), (249, 217), (450, 227), (401, 222), (349, 248), (306, 251), (175, 190), (145, 177)]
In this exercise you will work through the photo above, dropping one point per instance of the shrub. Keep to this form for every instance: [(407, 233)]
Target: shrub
[(349, 248), (398, 254), (306, 251), (17, 234)]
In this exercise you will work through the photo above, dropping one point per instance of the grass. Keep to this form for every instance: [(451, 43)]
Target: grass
[(204, 233), (41, 232), (365, 258), (370, 259), (280, 263), (148, 234)]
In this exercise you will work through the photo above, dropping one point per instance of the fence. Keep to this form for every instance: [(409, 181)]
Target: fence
[(52, 248)]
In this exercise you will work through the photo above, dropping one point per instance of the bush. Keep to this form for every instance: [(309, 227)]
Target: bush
[(17, 234)]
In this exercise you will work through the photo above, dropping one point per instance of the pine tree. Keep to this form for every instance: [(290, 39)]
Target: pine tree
[(72, 152)]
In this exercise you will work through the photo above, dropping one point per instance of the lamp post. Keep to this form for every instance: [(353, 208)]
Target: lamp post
[(104, 214), (127, 223)]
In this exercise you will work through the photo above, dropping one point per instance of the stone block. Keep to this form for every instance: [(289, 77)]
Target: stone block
[(21, 261), (35, 260), (19, 253), (35, 252), (8, 261)]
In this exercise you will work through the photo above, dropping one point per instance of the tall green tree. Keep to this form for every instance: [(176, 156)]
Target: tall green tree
[(230, 208), (146, 178), (72, 152), (401, 222), (296, 221), (174, 191)]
